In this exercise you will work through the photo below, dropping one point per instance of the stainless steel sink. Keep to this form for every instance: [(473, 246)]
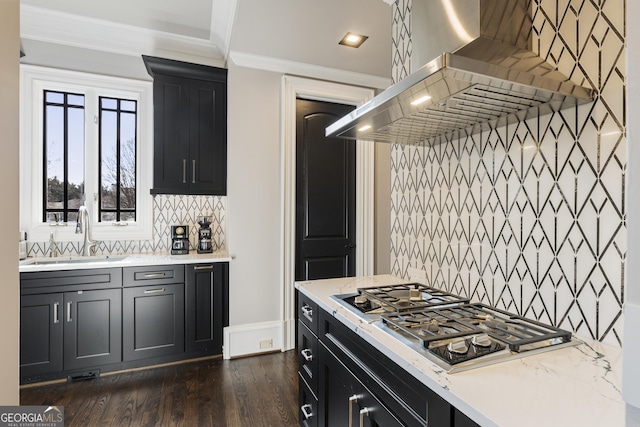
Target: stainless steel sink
[(72, 260)]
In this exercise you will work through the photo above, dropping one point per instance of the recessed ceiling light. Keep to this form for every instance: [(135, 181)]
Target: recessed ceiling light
[(353, 40), (363, 128), (421, 100)]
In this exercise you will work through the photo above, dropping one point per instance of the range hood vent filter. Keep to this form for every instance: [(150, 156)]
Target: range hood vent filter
[(490, 81)]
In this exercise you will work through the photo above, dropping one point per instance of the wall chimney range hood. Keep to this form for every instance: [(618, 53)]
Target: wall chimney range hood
[(488, 76)]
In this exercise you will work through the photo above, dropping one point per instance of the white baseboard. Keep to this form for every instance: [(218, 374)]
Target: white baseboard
[(243, 340)]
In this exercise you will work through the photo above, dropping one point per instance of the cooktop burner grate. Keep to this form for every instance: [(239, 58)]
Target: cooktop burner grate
[(409, 296), (518, 333)]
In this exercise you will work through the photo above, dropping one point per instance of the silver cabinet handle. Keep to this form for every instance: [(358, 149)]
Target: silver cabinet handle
[(306, 353), (56, 313), (353, 399), (193, 171), (308, 312), (69, 311), (203, 267), (153, 275), (306, 411), (363, 413), (153, 291), (184, 171)]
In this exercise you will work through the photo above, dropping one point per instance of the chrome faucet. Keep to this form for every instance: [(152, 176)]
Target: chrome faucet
[(83, 226), (53, 247)]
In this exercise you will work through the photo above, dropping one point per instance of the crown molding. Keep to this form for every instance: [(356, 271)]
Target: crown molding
[(50, 26), (284, 66)]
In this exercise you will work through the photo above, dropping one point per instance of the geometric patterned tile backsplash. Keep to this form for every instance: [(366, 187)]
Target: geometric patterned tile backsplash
[(168, 210), (530, 217)]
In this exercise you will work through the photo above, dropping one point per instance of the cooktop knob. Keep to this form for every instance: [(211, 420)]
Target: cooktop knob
[(481, 340), (458, 347)]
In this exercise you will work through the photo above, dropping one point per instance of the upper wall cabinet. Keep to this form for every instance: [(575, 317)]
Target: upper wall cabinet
[(190, 127)]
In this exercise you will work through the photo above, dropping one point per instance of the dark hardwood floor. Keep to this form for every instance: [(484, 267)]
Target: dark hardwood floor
[(252, 391)]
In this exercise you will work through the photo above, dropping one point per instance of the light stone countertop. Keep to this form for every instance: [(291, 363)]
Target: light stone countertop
[(574, 386), (125, 260)]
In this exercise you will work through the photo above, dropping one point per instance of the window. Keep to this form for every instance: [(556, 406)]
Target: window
[(63, 117), (117, 160), (85, 140)]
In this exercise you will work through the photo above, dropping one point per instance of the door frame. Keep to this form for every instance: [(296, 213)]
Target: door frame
[(298, 87)]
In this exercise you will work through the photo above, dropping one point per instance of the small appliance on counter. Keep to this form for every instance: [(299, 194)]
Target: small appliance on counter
[(179, 239), (22, 245), (205, 245)]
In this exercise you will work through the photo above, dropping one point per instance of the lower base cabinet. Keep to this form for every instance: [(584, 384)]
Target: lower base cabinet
[(357, 385), (205, 293), (153, 319), (78, 323), (70, 330), (344, 400)]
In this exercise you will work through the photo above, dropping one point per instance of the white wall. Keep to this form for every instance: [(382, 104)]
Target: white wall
[(253, 209), (9, 141)]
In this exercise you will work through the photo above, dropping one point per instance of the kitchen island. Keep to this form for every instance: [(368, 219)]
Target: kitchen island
[(574, 386)]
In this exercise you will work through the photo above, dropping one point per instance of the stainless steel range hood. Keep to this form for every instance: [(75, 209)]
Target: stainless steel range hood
[(489, 76)]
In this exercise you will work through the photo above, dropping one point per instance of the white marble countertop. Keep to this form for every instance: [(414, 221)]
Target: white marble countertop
[(125, 260), (575, 386)]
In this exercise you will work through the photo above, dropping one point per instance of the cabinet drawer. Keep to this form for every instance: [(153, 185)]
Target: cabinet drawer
[(411, 401), (153, 275), (308, 410), (69, 280), (308, 312), (308, 357)]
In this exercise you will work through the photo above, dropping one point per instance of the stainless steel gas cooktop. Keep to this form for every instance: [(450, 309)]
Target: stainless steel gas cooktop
[(449, 330)]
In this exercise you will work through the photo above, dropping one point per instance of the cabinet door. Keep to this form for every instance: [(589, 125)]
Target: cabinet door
[(153, 321), (343, 400), (208, 138), (171, 161), (92, 328), (204, 316), (40, 334)]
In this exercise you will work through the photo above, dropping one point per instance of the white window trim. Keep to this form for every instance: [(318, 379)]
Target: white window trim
[(33, 80)]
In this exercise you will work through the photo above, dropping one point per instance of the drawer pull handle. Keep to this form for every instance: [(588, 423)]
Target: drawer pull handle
[(203, 267), (56, 313), (306, 353), (308, 312), (153, 291), (364, 412), (153, 275), (353, 399), (306, 411)]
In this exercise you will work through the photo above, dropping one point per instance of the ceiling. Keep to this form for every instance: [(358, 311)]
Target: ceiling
[(211, 31)]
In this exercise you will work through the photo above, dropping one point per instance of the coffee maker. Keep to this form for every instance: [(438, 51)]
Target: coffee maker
[(179, 239), (204, 236)]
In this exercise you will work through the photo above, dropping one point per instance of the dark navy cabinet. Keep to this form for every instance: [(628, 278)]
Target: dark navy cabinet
[(190, 127), (75, 323), (349, 382), (206, 290), (69, 321)]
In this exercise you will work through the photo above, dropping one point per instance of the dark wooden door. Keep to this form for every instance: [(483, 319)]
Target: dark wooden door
[(325, 194)]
